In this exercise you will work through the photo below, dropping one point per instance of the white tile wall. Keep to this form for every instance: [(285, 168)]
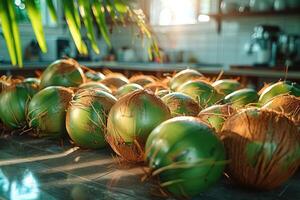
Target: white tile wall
[(203, 42), (200, 41)]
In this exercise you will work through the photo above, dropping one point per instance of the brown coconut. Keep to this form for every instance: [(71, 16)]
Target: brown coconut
[(155, 87), (288, 105), (263, 148), (216, 115), (114, 81), (142, 80)]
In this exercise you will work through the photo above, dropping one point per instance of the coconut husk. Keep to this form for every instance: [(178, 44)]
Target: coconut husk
[(183, 76), (126, 89), (133, 152), (108, 72), (3, 85), (130, 122), (67, 65), (142, 80), (263, 148), (87, 96), (92, 75), (216, 112), (93, 107), (114, 81), (14, 103), (58, 74), (288, 105), (201, 91), (95, 85), (7, 82), (181, 104), (166, 81), (155, 87), (44, 116), (162, 93), (265, 86)]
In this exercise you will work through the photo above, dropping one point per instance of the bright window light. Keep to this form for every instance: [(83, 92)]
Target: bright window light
[(174, 12), (203, 18)]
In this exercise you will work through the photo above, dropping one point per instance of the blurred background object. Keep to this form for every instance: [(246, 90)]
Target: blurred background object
[(32, 51)]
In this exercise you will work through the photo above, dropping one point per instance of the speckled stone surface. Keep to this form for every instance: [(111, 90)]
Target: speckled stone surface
[(33, 168)]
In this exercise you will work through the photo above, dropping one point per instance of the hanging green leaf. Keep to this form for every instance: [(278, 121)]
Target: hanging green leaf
[(118, 11), (7, 30), (51, 9), (115, 13), (70, 14), (76, 13), (99, 13), (84, 9), (33, 10), (120, 6), (121, 10), (149, 50), (16, 32), (11, 31)]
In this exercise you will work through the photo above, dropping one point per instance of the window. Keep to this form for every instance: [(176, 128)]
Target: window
[(174, 12), (178, 12)]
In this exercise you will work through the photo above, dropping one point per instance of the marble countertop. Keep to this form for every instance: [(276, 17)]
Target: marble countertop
[(32, 168)]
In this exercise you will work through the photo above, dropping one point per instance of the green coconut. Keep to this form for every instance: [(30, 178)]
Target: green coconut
[(94, 76), (288, 105), (32, 80), (95, 85), (3, 85), (65, 72), (216, 115), (241, 98), (162, 93), (201, 91), (142, 80), (47, 111), (263, 147), (185, 155), (181, 104), (279, 88), (125, 89), (32, 84), (155, 87), (131, 120), (114, 81), (13, 106), (226, 86), (182, 77), (86, 117)]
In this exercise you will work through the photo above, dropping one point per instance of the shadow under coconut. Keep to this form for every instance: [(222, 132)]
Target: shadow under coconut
[(226, 189), (130, 181)]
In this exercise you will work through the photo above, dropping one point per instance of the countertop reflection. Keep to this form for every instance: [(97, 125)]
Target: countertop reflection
[(32, 168)]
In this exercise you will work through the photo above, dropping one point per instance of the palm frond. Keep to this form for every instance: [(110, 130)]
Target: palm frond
[(103, 13)]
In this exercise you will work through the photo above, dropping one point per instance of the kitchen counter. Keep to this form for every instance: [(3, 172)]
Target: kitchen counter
[(36, 168), (209, 69), (113, 64)]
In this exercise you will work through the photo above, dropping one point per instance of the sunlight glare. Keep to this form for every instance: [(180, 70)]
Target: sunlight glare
[(203, 18), (176, 12)]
